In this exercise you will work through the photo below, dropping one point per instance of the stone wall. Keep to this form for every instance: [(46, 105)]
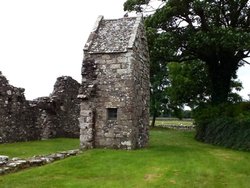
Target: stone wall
[(58, 113), (17, 119), (42, 118), (115, 86), (118, 86), (141, 86), (9, 165)]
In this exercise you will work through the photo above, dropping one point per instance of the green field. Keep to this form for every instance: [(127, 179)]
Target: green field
[(29, 149), (173, 121), (172, 159)]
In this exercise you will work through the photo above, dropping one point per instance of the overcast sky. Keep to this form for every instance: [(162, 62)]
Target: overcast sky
[(41, 40)]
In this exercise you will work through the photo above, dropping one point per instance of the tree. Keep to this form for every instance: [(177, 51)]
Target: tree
[(216, 32), (158, 77), (189, 86), (188, 83)]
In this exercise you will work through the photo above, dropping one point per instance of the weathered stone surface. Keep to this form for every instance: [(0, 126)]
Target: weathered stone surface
[(45, 117), (16, 164), (115, 109), (112, 36), (60, 111), (66, 108), (4, 158), (16, 115)]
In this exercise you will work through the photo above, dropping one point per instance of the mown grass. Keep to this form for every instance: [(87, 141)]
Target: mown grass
[(172, 159), (29, 149)]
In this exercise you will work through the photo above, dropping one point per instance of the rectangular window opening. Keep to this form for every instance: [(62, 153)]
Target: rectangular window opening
[(112, 113)]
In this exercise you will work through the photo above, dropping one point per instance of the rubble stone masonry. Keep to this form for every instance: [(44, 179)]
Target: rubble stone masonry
[(42, 118), (115, 86), (58, 113), (17, 119)]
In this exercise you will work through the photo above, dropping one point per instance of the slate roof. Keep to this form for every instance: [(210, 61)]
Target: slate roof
[(111, 36)]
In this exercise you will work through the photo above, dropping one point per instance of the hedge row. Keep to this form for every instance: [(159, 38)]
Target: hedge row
[(225, 125)]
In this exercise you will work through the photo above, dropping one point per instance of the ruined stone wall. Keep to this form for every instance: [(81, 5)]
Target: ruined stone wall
[(87, 95), (58, 113), (45, 117), (65, 96), (17, 118)]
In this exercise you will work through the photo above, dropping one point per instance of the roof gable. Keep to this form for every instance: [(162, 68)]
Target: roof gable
[(112, 36)]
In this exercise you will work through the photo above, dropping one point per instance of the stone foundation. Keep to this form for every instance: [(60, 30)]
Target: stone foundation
[(16, 164)]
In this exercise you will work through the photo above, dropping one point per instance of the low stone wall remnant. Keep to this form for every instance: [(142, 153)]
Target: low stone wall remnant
[(16, 164)]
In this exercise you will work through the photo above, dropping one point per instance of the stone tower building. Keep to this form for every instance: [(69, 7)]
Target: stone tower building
[(115, 86)]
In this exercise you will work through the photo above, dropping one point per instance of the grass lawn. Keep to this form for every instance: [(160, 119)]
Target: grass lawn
[(173, 159), (29, 149)]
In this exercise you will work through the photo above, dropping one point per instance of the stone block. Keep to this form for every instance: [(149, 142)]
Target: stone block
[(105, 57), (123, 71), (122, 60), (115, 66), (4, 158)]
